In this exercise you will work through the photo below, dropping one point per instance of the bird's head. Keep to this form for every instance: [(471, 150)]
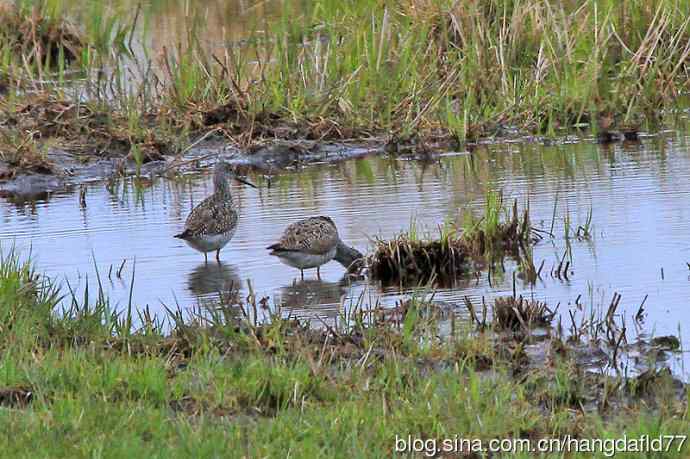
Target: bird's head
[(223, 173)]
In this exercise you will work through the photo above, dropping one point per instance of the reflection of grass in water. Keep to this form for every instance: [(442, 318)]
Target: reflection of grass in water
[(364, 170)]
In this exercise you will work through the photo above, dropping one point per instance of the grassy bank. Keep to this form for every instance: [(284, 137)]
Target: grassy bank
[(411, 72), (83, 383)]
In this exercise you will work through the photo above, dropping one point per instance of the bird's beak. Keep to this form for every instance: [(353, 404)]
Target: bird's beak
[(245, 182)]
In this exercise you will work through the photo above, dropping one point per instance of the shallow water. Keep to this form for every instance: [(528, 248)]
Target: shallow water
[(638, 194), (162, 24)]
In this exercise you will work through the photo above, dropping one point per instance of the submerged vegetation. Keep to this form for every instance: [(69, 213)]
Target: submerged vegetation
[(421, 71), (221, 383)]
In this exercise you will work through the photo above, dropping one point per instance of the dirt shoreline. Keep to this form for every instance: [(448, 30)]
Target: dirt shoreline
[(67, 170)]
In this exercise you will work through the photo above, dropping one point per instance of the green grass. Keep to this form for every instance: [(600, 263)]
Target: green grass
[(230, 389), (490, 223), (428, 69), (406, 68)]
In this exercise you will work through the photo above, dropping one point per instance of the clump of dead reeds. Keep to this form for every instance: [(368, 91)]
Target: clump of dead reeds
[(511, 313), (408, 258)]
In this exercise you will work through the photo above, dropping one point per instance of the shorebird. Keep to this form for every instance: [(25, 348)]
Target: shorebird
[(213, 222), (312, 242)]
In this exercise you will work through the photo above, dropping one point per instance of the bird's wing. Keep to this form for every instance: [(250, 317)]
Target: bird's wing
[(314, 235), (210, 217)]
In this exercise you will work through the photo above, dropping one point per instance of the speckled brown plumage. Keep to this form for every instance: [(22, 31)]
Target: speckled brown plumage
[(313, 235), (214, 215), (212, 223), (312, 242)]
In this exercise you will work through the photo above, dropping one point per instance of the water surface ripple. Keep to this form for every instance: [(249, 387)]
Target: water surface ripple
[(638, 194)]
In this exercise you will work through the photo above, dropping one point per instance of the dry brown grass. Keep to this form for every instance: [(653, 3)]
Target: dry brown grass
[(22, 153), (512, 313), (83, 127), (38, 38), (409, 259), (412, 261)]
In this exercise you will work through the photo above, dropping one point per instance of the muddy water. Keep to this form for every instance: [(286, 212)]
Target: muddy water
[(639, 195)]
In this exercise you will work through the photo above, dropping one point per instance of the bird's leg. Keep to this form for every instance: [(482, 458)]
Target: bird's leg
[(301, 272), (205, 257), (318, 272), (218, 255)]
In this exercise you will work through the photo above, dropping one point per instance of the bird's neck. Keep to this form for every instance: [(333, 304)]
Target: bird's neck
[(222, 190), (347, 256), (225, 196)]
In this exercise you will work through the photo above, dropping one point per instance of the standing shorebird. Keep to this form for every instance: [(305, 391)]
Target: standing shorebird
[(213, 222), (312, 242)]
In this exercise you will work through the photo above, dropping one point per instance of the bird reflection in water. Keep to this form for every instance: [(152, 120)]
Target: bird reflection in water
[(308, 298), (210, 278)]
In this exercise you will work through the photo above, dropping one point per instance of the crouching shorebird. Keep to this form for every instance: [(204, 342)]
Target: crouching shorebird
[(312, 242), (213, 222)]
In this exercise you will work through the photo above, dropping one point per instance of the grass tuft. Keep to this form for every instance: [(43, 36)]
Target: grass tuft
[(411, 259), (510, 313)]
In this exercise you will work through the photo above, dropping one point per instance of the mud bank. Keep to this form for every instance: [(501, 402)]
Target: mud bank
[(67, 169)]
